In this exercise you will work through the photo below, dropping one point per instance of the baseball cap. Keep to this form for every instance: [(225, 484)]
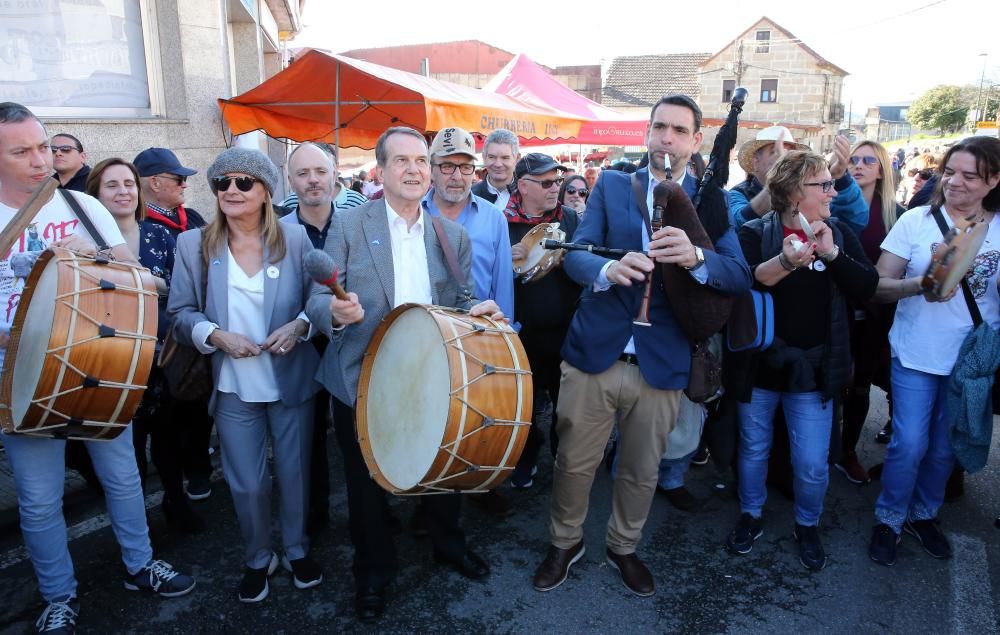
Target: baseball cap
[(535, 163), (153, 161), (450, 141)]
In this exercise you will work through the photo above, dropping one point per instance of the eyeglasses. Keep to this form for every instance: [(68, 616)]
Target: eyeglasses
[(449, 168), (64, 149), (547, 183), (865, 160), (826, 185), (924, 174), (243, 183), (176, 178), (582, 191)]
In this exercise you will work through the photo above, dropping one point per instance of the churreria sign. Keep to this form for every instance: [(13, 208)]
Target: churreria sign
[(520, 127)]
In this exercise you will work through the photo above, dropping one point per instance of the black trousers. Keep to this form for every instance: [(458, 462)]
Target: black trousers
[(542, 347), (193, 417), (319, 467), (375, 561)]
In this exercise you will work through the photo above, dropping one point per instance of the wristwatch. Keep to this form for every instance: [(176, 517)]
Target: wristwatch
[(700, 255), (831, 255)]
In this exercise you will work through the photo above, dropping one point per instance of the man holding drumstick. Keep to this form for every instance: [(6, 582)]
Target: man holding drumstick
[(388, 254), (39, 463)]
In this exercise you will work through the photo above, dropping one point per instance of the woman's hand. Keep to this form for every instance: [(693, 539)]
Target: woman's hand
[(285, 337), (800, 257), (233, 344), (824, 237)]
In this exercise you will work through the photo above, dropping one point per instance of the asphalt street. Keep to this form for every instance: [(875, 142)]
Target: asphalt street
[(700, 588)]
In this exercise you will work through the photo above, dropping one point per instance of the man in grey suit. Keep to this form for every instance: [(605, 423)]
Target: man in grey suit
[(388, 253)]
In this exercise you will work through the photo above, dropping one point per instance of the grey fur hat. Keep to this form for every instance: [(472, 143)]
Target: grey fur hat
[(245, 161)]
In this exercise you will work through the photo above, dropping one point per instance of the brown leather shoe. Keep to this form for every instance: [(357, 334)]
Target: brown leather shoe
[(554, 569), (635, 575)]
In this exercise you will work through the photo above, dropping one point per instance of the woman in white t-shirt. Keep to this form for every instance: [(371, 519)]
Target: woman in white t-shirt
[(924, 341)]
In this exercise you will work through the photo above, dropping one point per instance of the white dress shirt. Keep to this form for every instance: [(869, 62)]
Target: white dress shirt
[(411, 278), (503, 194)]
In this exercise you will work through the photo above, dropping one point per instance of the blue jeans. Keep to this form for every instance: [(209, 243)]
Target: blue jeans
[(39, 473), (919, 458), (672, 471), (809, 421)]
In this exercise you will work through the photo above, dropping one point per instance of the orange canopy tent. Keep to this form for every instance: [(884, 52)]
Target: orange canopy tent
[(349, 102)]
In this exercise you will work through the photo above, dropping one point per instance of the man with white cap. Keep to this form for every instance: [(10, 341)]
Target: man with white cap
[(750, 199)]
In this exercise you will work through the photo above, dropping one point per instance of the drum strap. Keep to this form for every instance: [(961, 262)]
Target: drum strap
[(977, 317), (102, 245), (449, 255)]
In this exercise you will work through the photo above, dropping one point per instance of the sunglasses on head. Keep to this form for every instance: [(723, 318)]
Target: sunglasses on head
[(547, 183), (243, 183), (582, 191), (826, 185), (865, 160)]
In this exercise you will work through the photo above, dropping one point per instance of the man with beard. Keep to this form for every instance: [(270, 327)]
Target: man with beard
[(614, 365)]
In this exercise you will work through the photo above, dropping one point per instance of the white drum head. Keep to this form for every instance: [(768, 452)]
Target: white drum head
[(35, 331), (408, 398)]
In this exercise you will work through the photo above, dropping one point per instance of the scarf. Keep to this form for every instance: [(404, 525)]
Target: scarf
[(515, 213), (162, 216)]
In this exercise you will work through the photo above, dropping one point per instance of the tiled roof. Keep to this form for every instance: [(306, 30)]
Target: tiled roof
[(641, 80)]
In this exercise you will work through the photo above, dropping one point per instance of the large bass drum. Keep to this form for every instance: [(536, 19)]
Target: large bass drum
[(444, 401), (81, 348)]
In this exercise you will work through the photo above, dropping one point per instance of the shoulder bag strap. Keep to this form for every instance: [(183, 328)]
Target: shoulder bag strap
[(977, 316), (449, 252), (102, 245), (640, 199)]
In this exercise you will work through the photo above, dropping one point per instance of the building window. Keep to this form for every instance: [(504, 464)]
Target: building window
[(728, 86), (81, 59), (763, 41), (769, 90)]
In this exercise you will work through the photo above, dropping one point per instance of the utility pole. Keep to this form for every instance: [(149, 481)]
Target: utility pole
[(979, 96)]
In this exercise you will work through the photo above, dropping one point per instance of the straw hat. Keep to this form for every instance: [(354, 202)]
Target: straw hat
[(765, 137)]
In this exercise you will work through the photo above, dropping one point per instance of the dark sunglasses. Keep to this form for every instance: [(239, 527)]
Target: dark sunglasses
[(63, 149), (865, 160), (243, 183), (924, 174), (176, 178), (582, 191), (547, 183), (826, 185)]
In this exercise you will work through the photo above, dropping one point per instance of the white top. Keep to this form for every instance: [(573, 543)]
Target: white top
[(369, 189), (250, 378), (926, 336), (53, 222), (411, 279), (502, 194)]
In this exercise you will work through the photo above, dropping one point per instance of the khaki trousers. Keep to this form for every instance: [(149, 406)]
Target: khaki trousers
[(587, 408)]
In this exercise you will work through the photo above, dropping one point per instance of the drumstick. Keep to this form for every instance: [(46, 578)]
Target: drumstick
[(26, 213), (320, 267)]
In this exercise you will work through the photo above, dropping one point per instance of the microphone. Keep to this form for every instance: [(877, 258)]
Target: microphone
[(320, 267)]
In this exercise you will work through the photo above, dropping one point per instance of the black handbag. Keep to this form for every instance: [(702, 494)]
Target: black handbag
[(186, 371)]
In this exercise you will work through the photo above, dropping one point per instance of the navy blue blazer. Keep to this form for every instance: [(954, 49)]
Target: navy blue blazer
[(602, 324)]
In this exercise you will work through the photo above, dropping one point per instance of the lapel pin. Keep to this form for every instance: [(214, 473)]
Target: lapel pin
[(376, 242), (272, 272)]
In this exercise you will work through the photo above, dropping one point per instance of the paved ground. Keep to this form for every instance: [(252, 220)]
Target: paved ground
[(700, 589)]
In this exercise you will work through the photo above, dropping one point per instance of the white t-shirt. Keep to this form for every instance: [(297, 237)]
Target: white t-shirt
[(926, 336), (53, 222)]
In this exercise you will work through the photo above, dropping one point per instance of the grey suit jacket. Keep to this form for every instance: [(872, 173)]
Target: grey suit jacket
[(361, 247), (285, 297)]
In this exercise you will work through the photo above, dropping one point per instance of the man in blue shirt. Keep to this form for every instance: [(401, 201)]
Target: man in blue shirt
[(453, 164)]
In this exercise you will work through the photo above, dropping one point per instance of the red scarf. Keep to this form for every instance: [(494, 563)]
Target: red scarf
[(180, 224), (515, 214)]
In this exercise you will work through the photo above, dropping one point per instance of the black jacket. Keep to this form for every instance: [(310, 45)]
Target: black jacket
[(548, 303), (852, 276), (482, 190), (79, 181)]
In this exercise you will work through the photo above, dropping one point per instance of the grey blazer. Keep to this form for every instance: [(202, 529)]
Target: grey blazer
[(284, 297), (360, 245)]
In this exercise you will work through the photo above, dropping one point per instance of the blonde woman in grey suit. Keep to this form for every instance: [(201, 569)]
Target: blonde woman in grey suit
[(250, 319)]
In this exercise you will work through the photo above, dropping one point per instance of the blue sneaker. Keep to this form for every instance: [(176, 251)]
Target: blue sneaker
[(160, 578), (59, 618)]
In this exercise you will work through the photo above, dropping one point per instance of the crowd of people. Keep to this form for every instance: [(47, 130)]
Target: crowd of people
[(825, 238)]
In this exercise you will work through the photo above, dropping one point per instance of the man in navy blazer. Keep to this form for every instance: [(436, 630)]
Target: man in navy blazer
[(614, 366)]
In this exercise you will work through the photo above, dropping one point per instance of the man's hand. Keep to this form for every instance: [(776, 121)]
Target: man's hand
[(490, 309), (79, 244), (518, 251), (672, 245), (841, 156), (233, 344), (632, 268), (285, 337), (347, 311)]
